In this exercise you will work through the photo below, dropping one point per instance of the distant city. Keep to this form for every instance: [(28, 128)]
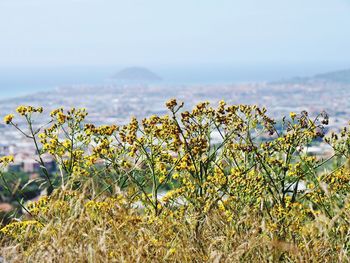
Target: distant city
[(139, 92)]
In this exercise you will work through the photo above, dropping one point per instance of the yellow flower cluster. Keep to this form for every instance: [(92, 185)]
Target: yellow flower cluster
[(102, 130), (24, 110), (39, 206), (6, 160), (17, 230)]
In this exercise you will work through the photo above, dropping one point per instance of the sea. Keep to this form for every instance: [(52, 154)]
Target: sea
[(16, 82)]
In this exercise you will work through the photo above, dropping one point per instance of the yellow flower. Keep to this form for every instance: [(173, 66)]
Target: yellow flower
[(42, 135), (22, 110), (61, 117), (171, 104), (39, 109), (292, 115), (162, 179), (8, 118), (6, 160), (176, 176)]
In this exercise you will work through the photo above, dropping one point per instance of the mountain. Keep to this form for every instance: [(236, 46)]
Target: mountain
[(340, 76), (136, 74)]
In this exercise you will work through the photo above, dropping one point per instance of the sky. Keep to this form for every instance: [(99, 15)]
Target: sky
[(164, 33)]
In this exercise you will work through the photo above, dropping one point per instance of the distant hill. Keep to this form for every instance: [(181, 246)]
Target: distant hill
[(136, 74), (340, 76)]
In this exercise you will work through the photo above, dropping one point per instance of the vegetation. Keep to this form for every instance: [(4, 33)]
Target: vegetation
[(212, 184)]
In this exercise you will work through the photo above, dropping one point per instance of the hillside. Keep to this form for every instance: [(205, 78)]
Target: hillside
[(342, 76)]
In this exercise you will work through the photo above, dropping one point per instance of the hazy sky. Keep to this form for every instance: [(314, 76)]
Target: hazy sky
[(40, 33)]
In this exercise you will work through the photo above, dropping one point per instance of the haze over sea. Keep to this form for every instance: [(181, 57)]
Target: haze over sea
[(20, 81)]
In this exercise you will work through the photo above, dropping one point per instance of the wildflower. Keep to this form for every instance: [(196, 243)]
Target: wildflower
[(61, 118), (8, 118), (6, 160), (54, 112), (292, 115), (171, 104), (18, 229), (22, 110), (162, 179)]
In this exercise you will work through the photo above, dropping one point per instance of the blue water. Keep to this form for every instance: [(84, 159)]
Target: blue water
[(17, 82)]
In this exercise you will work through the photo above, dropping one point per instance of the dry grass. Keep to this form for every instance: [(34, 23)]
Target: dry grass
[(73, 231)]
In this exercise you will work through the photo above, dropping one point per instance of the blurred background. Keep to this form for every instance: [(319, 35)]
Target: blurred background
[(46, 44)]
